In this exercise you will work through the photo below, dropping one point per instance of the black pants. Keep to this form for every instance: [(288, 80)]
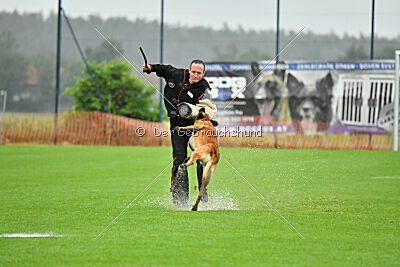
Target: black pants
[(180, 142)]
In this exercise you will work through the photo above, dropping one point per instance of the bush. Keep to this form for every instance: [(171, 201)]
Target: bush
[(130, 96)]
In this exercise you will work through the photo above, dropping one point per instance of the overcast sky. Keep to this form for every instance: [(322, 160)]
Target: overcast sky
[(340, 16)]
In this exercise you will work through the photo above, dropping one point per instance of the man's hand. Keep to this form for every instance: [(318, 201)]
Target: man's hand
[(147, 68)]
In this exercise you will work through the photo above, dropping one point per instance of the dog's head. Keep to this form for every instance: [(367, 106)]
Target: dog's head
[(310, 101), (267, 87), (204, 117), (321, 90)]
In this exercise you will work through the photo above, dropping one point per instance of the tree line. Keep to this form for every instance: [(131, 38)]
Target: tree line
[(28, 46)]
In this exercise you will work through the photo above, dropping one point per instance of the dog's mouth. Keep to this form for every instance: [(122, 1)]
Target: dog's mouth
[(307, 116)]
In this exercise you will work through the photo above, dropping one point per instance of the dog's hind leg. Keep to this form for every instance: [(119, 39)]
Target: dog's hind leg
[(209, 171), (197, 154)]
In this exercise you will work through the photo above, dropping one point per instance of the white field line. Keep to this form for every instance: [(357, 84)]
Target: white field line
[(387, 177), (23, 235)]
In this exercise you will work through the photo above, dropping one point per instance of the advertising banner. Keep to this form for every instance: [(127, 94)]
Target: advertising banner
[(303, 97)]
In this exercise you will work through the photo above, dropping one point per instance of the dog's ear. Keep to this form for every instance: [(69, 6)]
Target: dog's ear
[(325, 90), (255, 68), (294, 86), (325, 83)]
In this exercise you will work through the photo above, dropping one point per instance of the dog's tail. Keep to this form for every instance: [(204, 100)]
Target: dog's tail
[(209, 171)]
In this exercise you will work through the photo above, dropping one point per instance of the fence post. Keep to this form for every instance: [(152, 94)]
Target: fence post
[(4, 94), (109, 120), (58, 59), (396, 104)]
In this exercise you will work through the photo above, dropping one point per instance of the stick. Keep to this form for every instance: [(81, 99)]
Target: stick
[(144, 56)]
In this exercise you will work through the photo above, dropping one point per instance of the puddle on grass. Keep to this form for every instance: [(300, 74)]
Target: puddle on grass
[(216, 201)]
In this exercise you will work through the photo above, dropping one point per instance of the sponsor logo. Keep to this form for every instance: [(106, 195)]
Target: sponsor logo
[(171, 84), (223, 88)]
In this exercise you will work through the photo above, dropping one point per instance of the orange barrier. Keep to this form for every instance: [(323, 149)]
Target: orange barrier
[(331, 141), (96, 128), (82, 128)]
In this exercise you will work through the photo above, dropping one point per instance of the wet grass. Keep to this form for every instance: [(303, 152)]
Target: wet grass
[(345, 204)]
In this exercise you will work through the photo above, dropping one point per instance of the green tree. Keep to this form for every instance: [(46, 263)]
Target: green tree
[(13, 71), (354, 53), (104, 51), (253, 54), (129, 96), (231, 53), (385, 53), (228, 53), (41, 78)]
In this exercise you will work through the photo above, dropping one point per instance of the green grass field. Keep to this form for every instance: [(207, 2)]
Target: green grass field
[(345, 203)]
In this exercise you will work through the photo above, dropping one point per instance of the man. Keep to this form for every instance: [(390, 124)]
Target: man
[(189, 86)]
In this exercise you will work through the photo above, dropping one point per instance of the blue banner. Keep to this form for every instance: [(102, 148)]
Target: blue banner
[(306, 66)]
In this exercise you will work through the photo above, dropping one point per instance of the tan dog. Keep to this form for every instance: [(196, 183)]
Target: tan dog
[(205, 145)]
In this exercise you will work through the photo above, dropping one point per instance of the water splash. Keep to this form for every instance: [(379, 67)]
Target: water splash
[(217, 201)]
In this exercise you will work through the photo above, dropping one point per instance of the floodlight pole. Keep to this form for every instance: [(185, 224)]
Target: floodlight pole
[(396, 103), (277, 31), (371, 54), (57, 70), (160, 106), (4, 94)]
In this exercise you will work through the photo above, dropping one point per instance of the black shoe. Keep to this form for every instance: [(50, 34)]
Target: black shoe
[(180, 188), (204, 198)]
